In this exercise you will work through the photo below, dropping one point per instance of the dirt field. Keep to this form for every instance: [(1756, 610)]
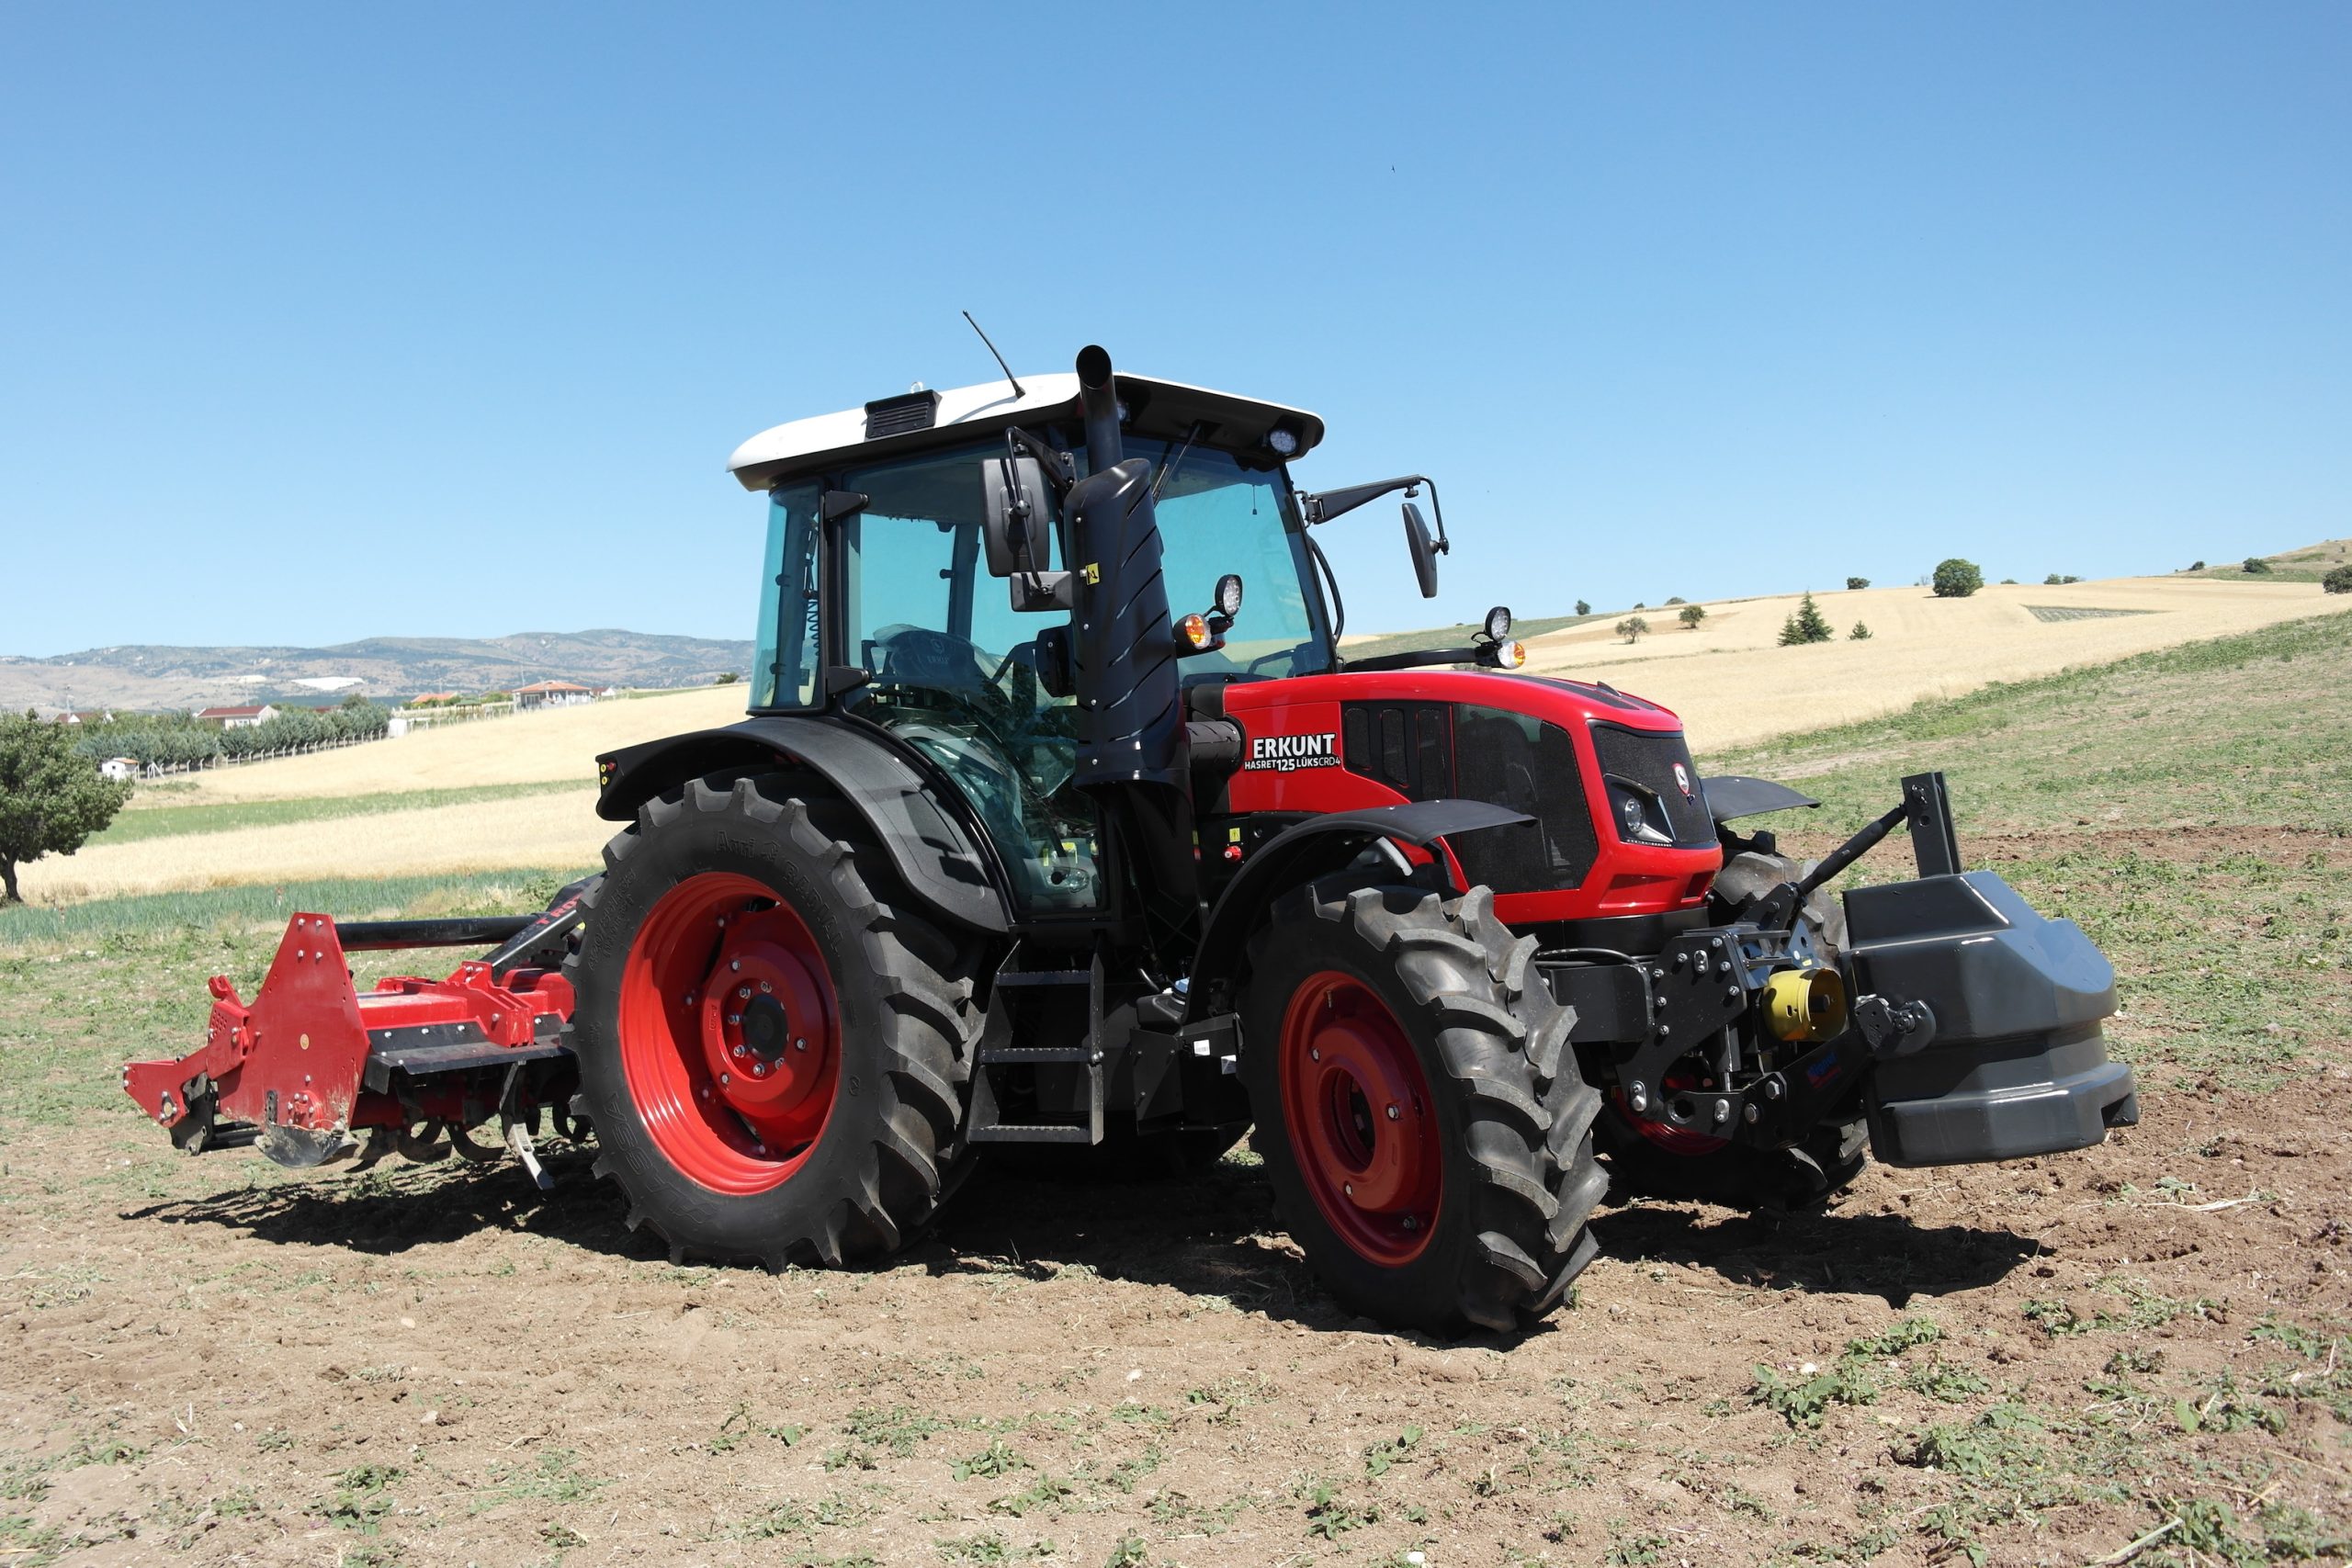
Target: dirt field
[(2138, 1353)]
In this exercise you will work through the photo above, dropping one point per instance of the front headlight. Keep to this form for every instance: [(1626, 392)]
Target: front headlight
[(1640, 815)]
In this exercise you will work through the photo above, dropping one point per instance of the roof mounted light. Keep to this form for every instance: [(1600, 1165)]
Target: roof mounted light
[(1499, 623), (1281, 441)]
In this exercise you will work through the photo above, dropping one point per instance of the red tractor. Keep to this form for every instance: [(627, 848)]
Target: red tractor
[(1037, 835)]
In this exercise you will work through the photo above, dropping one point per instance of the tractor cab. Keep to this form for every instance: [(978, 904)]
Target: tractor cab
[(878, 598)]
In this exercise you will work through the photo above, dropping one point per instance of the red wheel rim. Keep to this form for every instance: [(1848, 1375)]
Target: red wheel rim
[(1360, 1122), (730, 1033), (1665, 1135)]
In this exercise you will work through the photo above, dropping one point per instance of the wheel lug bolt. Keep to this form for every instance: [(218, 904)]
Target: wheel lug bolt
[(1411, 1224), (1349, 1188), (1394, 1114), (800, 1045), (725, 1079), (744, 992), (739, 1053), (1314, 1053), (765, 987), (689, 999), (734, 964), (706, 1094), (734, 1018)]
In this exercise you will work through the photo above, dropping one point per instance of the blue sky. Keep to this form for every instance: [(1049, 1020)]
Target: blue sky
[(326, 322)]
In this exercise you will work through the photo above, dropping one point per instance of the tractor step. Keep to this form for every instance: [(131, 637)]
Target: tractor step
[(1037, 1076)]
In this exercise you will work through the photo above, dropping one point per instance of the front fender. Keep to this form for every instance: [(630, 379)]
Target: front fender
[(1308, 849), (934, 857)]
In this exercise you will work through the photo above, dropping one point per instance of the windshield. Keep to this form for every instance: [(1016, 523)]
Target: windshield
[(1216, 516)]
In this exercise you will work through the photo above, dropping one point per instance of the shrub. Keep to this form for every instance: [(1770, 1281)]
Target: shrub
[(1957, 579), (2257, 567), (1860, 634), (2197, 566), (1855, 583), (52, 800), (1805, 623), (1584, 607), (1670, 604), (1692, 614), (728, 679), (2054, 579), (2338, 581), (1632, 627)]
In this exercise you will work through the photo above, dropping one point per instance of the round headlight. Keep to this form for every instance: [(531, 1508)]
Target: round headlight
[(1499, 623), (1228, 595), (1282, 440)]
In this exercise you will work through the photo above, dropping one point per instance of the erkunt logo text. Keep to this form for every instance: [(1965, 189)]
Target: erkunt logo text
[(1283, 753)]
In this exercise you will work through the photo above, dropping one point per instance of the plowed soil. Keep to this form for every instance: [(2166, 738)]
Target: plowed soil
[(2138, 1344)]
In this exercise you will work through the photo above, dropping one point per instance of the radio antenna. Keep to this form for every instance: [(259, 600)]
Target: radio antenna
[(1000, 358)]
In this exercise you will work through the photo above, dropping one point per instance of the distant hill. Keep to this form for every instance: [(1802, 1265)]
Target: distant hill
[(2308, 564), (390, 668)]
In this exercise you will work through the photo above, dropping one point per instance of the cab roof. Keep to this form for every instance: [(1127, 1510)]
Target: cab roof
[(923, 418)]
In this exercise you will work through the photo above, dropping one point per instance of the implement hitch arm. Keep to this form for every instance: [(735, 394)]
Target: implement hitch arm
[(1935, 844)]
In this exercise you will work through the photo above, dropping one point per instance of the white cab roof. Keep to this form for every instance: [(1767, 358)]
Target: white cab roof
[(1156, 409)]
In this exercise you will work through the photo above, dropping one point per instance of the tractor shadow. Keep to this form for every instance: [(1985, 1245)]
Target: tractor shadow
[(1211, 1234), (1216, 1235), (398, 1206), (1828, 1251)]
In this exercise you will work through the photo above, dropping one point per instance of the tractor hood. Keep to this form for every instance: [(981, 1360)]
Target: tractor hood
[(914, 421)]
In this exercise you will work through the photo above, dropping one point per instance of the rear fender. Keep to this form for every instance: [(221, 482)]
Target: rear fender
[(1301, 853), (938, 861)]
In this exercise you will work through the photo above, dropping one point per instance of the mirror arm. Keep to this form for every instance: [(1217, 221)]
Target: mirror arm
[(1324, 506)]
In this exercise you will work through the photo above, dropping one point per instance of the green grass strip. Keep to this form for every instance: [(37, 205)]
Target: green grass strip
[(347, 897)]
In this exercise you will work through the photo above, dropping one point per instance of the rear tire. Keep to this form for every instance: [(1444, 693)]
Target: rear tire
[(1465, 1205), (816, 1122)]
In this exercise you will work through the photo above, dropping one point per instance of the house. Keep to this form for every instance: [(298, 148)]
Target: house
[(121, 770), (237, 717), (551, 695)]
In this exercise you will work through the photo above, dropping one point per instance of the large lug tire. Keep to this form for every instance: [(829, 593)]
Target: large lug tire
[(774, 1043), (1653, 1159), (1422, 1119)]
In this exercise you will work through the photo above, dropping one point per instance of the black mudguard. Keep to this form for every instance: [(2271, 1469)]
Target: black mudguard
[(938, 861), (1308, 849), (2016, 1063)]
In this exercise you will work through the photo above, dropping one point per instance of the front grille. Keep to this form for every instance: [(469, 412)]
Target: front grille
[(1649, 757), (1528, 765)]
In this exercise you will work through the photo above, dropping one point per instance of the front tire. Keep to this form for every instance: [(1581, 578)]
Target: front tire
[(773, 1042), (1422, 1122)]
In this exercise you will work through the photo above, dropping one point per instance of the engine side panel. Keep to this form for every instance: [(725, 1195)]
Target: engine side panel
[(1339, 742)]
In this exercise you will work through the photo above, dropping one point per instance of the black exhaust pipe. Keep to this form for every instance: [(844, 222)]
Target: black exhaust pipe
[(1096, 395)]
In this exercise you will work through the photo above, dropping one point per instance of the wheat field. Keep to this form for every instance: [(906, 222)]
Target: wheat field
[(1733, 685), (1730, 683)]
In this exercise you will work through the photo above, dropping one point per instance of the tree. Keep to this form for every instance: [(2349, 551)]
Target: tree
[(2257, 567), (2057, 578), (1584, 607), (1860, 634), (728, 679), (52, 800), (1678, 599), (1857, 582), (1692, 614), (2197, 566), (1957, 579), (1805, 623), (1632, 627), (2338, 582)]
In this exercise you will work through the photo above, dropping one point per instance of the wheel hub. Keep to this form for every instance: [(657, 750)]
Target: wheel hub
[(730, 1038), (1357, 1109)]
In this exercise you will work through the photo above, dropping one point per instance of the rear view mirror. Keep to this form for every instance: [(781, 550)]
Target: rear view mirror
[(1424, 548), (1018, 510), (1016, 527)]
